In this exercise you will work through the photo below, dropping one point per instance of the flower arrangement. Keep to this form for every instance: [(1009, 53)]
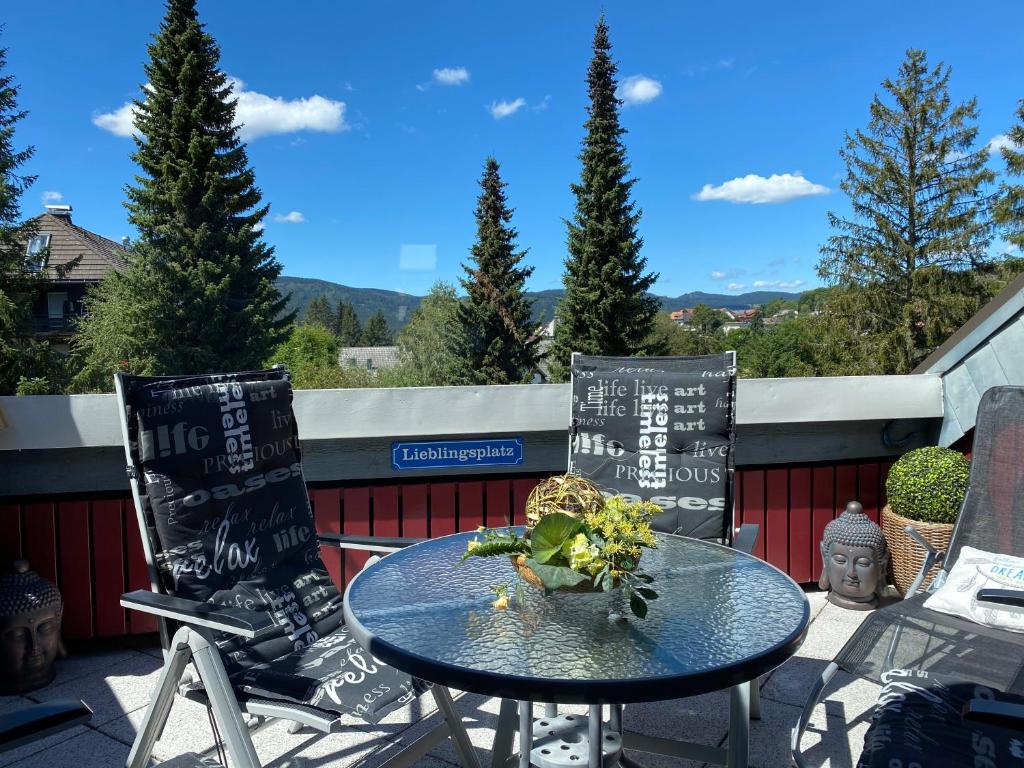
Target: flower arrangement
[(593, 547)]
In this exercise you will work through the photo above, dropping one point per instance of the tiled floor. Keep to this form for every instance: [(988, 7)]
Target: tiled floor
[(117, 685)]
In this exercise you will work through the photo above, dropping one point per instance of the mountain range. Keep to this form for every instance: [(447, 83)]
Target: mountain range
[(398, 306)]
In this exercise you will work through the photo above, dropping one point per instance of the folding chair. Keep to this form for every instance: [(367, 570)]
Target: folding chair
[(906, 635), (235, 570), (662, 429)]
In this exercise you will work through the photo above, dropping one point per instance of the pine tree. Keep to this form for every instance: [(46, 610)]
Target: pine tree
[(21, 356), (318, 312), (200, 257), (606, 309), (920, 228), (501, 347), (1009, 210), (377, 333), (347, 324)]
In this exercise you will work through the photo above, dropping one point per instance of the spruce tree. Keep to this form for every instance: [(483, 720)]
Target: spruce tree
[(1009, 210), (500, 344), (318, 312), (200, 256), (920, 226), (606, 309), (377, 333), (347, 323), (21, 356)]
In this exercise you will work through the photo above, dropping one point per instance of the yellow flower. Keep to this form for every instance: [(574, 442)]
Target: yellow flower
[(501, 603), (472, 544)]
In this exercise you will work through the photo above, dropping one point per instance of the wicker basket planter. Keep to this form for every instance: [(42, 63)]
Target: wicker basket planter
[(906, 555)]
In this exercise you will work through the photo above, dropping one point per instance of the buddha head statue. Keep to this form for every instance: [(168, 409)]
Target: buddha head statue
[(30, 615), (855, 560)]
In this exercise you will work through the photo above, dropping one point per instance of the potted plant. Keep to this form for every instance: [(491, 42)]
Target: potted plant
[(576, 541), (925, 489)]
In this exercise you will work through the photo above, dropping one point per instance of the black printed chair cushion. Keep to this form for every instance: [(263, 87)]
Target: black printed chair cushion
[(219, 460), (918, 721)]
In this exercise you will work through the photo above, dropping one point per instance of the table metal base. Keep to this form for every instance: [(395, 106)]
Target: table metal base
[(566, 743)]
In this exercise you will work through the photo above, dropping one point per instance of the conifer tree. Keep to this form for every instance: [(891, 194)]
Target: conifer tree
[(21, 278), (1009, 210), (920, 226), (201, 262), (500, 344), (347, 323), (377, 333), (606, 309), (318, 312)]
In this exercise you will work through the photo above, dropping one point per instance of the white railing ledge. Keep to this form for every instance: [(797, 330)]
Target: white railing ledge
[(83, 421)]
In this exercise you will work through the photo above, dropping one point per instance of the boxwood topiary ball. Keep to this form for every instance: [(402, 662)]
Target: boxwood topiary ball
[(928, 484)]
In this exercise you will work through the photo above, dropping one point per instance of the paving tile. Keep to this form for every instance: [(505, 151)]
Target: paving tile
[(86, 749), (111, 692), (277, 748), (78, 664), (15, 755), (187, 730)]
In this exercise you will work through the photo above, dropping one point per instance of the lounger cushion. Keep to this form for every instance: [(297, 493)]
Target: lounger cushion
[(918, 721), (976, 569)]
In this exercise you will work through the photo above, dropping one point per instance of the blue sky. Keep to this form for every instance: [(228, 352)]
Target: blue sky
[(368, 123)]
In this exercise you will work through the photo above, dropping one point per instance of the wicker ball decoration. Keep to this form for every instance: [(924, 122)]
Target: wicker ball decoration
[(570, 494), (23, 591)]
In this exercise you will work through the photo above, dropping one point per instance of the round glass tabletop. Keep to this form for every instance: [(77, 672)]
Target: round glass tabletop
[(722, 617)]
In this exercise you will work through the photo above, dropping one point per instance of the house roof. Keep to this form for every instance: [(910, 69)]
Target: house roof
[(371, 358), (987, 351), (69, 241)]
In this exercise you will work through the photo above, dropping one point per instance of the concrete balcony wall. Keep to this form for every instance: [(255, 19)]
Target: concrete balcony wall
[(67, 444)]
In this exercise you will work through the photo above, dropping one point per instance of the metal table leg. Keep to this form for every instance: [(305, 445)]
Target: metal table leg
[(525, 733), (739, 726), (594, 723)]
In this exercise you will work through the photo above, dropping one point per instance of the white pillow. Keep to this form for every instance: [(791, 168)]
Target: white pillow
[(974, 570)]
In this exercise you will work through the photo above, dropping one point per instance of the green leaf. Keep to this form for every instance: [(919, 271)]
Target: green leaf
[(647, 593), (638, 605), (551, 533), (555, 576)]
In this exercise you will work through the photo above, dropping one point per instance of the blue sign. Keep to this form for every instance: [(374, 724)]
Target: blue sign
[(457, 453)]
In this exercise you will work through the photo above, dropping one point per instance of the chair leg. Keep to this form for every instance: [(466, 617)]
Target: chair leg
[(755, 699), (805, 716), (226, 710), (456, 728), (175, 661), (508, 719)]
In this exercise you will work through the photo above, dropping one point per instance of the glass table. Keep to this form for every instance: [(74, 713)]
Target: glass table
[(722, 619)]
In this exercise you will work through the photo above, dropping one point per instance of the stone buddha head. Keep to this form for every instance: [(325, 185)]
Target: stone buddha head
[(855, 560), (30, 618)]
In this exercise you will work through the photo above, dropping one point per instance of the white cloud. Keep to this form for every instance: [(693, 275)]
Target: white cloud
[(1002, 141), (502, 109), (451, 75), (781, 284), (735, 286), (727, 274), (258, 226), (777, 188), (716, 275), (292, 217), (52, 197), (638, 89), (256, 113)]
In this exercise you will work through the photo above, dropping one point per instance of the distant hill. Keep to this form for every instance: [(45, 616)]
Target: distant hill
[(398, 306)]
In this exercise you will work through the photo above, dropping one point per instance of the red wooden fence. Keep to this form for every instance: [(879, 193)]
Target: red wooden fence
[(90, 546)]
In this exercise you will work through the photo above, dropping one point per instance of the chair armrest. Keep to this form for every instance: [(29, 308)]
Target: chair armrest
[(932, 557), (371, 543), (745, 538), (235, 621), (36, 722), (1012, 599), (922, 542), (1006, 714)]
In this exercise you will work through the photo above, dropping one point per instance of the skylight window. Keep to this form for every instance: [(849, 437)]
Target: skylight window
[(37, 252)]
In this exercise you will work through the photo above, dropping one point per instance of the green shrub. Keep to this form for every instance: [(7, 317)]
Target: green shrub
[(928, 484)]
